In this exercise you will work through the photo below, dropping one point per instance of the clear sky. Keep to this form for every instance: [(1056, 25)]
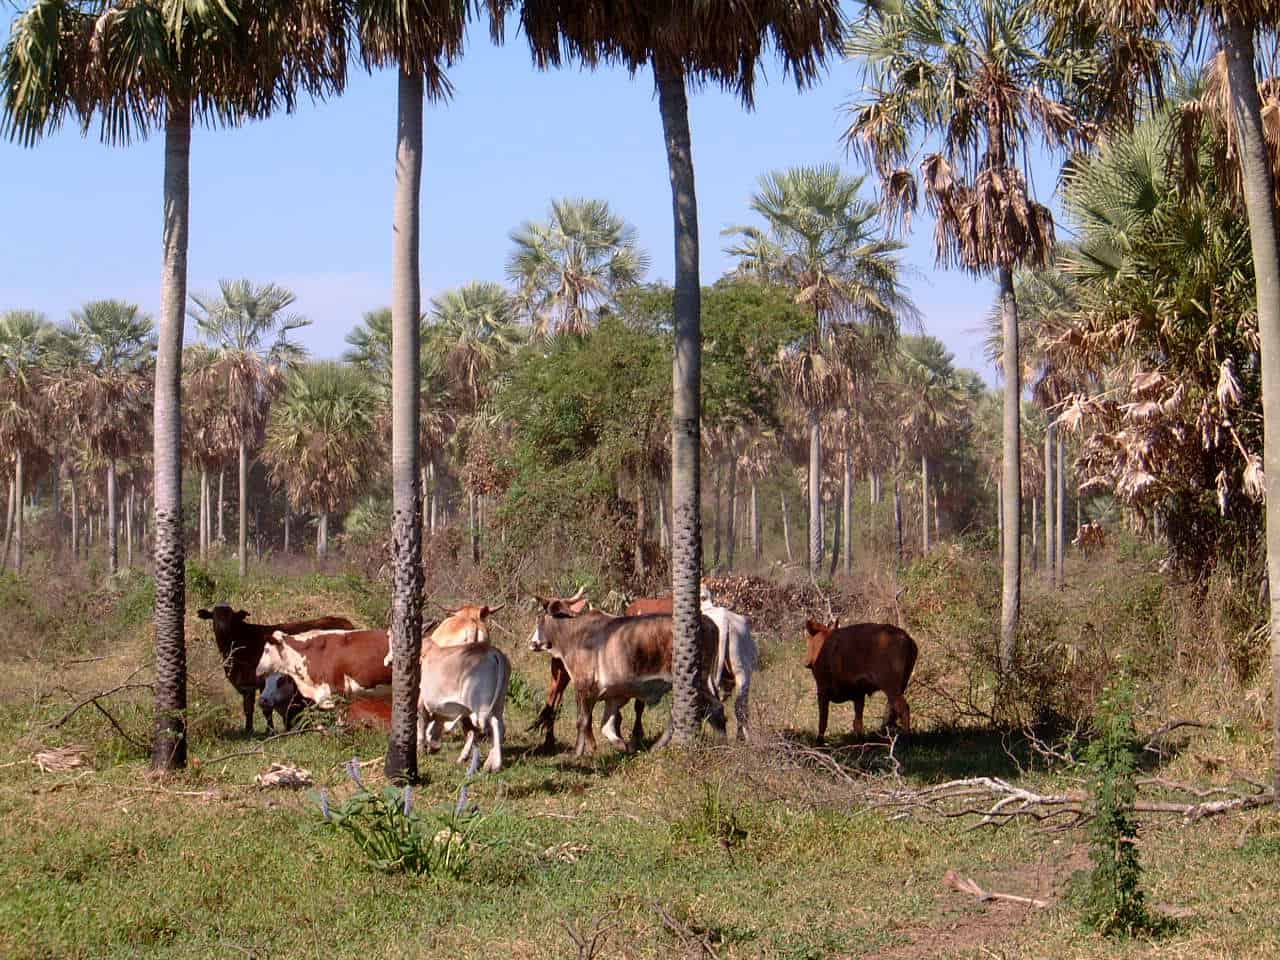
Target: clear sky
[(305, 200)]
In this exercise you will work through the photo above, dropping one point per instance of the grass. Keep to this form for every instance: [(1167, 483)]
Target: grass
[(758, 860)]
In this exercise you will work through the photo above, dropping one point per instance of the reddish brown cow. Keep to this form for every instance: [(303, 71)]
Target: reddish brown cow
[(327, 662), (617, 659), (648, 605), (240, 644), (370, 711), (850, 662)]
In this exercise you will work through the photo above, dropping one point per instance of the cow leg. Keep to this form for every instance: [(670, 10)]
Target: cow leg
[(823, 705), (586, 740), (249, 699), (740, 703), (637, 731), (859, 701), (612, 722), (471, 740), (900, 713), (715, 714), (547, 716), (493, 763)]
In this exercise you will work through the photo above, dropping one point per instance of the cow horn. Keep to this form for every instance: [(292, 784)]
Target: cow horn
[(578, 595), (493, 610)]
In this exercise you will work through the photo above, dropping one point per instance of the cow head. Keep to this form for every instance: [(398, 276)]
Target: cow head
[(560, 608), (704, 595), (223, 617), (817, 633), (280, 694)]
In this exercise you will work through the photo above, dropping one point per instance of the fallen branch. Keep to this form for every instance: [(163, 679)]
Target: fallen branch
[(99, 696), (687, 936), (586, 944), (119, 729), (966, 885)]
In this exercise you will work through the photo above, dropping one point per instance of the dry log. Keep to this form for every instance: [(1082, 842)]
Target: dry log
[(966, 885)]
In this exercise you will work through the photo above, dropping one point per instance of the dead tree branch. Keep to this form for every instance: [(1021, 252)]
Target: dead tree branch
[(587, 944), (965, 885), (99, 696), (689, 937)]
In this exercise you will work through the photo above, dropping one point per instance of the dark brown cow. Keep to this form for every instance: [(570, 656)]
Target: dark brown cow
[(850, 662), (240, 644), (327, 662), (617, 659)]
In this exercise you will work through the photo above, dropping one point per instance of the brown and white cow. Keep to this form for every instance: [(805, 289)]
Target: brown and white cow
[(1090, 536), (241, 643), (465, 682), (850, 662), (325, 663), (616, 659)]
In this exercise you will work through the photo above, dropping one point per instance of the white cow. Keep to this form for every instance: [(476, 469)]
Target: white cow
[(737, 651)]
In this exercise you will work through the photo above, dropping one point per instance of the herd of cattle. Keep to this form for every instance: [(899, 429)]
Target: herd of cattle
[(287, 667)]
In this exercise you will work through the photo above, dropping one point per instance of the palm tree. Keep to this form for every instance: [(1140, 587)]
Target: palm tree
[(569, 267), (821, 241), (974, 74), (25, 338), (420, 37), (111, 393), (685, 41), (139, 67), (929, 404), (322, 439)]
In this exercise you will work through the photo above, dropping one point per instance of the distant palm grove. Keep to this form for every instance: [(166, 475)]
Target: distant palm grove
[(566, 414)]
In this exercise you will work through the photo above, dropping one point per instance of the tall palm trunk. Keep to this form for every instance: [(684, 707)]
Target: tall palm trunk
[(717, 476), (686, 408), (897, 515), (322, 535), (222, 478), (169, 744), (815, 494), (8, 525), (731, 530), (75, 518), (55, 502), (1050, 562), (786, 527), (1000, 513), (406, 524), (1060, 501), (1011, 591), (286, 529), (937, 526), (846, 545), (756, 545), (640, 532), (838, 524), (435, 499), (203, 515), (113, 524), (1035, 527), (17, 517), (924, 502), (128, 527), (243, 548)]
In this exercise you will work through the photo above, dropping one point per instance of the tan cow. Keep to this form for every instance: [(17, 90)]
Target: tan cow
[(850, 662), (464, 625), (616, 659)]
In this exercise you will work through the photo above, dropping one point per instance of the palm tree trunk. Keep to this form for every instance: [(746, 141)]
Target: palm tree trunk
[(8, 525), (286, 528), (640, 531), (56, 500), (1049, 554), (786, 527), (128, 528), (169, 743), (244, 507), (847, 507), (1035, 527), (731, 530), (924, 502), (75, 518), (17, 517), (937, 525), (406, 525), (1000, 513), (322, 535), (897, 515), (716, 478), (434, 501), (1011, 587), (113, 525), (686, 409), (815, 494), (1059, 504), (203, 525), (664, 532), (222, 478), (838, 524), (756, 545)]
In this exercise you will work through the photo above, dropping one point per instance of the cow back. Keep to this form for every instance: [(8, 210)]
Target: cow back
[(343, 660), (862, 657), (648, 605)]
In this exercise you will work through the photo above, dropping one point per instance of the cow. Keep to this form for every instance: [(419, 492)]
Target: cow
[(466, 682), (647, 605), (280, 695), (464, 625), (1089, 537), (850, 662), (617, 659), (241, 643), (546, 718), (327, 662), (369, 711)]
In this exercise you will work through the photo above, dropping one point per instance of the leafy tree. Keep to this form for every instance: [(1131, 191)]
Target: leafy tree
[(249, 328), (136, 68), (323, 439), (571, 266), (975, 75)]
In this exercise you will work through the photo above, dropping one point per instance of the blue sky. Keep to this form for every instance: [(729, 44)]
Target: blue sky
[(305, 200)]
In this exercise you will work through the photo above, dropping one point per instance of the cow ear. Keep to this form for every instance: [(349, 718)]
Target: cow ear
[(204, 614), (814, 628), (543, 602), (577, 606)]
